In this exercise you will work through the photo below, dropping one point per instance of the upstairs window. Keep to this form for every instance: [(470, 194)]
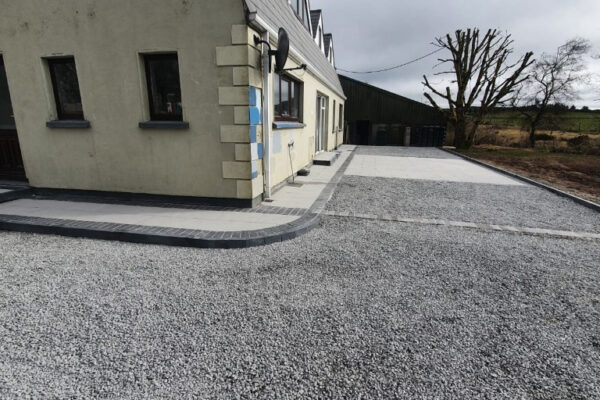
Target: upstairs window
[(302, 12), (65, 86), (164, 89), (287, 94), (320, 38)]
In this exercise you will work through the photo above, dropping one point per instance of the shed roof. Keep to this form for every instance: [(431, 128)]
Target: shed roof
[(278, 13), (368, 102)]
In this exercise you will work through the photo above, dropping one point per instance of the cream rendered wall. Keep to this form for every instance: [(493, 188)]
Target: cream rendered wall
[(303, 152), (106, 38)]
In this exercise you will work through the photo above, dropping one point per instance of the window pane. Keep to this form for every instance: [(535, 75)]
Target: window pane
[(276, 94), (285, 98), (163, 87), (305, 15), (295, 5), (66, 88), (295, 101), (320, 38)]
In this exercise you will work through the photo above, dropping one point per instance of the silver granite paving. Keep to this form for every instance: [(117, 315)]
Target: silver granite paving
[(395, 151)]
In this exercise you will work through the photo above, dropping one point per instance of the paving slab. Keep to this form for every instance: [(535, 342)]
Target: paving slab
[(431, 169), (309, 188), (218, 221), (398, 151)]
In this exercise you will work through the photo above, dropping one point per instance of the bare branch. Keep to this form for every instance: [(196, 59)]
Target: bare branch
[(553, 79), (481, 70)]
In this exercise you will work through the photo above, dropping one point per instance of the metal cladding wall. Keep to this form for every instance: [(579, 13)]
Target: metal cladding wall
[(370, 110)]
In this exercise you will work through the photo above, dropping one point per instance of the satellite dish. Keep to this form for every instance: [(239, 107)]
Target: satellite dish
[(283, 49)]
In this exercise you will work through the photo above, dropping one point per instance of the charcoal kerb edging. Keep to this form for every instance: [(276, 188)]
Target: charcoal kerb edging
[(159, 235), (15, 195), (579, 200)]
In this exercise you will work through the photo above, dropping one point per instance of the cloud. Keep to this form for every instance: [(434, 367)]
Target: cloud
[(383, 33)]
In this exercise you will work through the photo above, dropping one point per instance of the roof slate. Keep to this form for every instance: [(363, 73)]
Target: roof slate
[(327, 38), (278, 13), (315, 16)]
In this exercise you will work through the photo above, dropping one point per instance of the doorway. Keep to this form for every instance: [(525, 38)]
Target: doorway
[(321, 133), (363, 131), (11, 161)]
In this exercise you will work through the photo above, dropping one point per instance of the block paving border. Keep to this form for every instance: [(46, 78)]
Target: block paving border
[(307, 220)]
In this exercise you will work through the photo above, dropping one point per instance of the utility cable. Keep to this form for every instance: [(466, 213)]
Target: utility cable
[(395, 67)]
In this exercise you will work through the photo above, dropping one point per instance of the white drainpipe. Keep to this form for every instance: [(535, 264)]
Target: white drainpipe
[(266, 110)]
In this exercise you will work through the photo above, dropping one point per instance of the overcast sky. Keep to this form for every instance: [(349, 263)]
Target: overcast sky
[(375, 34)]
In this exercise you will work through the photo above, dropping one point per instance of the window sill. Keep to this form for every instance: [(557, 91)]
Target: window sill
[(166, 125), (288, 125), (68, 124)]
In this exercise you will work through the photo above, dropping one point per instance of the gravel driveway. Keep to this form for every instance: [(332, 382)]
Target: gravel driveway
[(353, 309), (521, 206)]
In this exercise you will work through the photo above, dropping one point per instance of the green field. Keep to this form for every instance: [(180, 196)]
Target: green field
[(570, 121)]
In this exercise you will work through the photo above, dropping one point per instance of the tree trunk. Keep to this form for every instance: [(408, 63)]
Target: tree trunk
[(533, 130), (533, 123), (460, 134), (532, 136)]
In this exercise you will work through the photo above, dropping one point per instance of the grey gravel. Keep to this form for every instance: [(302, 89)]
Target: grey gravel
[(522, 206), (394, 151), (353, 309)]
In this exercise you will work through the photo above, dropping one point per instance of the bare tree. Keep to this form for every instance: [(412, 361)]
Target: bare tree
[(482, 73), (553, 80)]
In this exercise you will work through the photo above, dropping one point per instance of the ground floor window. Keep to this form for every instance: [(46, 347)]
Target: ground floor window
[(287, 98), (164, 89), (66, 88)]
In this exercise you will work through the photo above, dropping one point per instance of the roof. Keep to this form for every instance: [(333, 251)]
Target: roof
[(368, 102), (315, 16), (328, 38), (383, 91), (278, 13)]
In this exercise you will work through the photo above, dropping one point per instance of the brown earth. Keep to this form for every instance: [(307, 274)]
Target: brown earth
[(573, 173)]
